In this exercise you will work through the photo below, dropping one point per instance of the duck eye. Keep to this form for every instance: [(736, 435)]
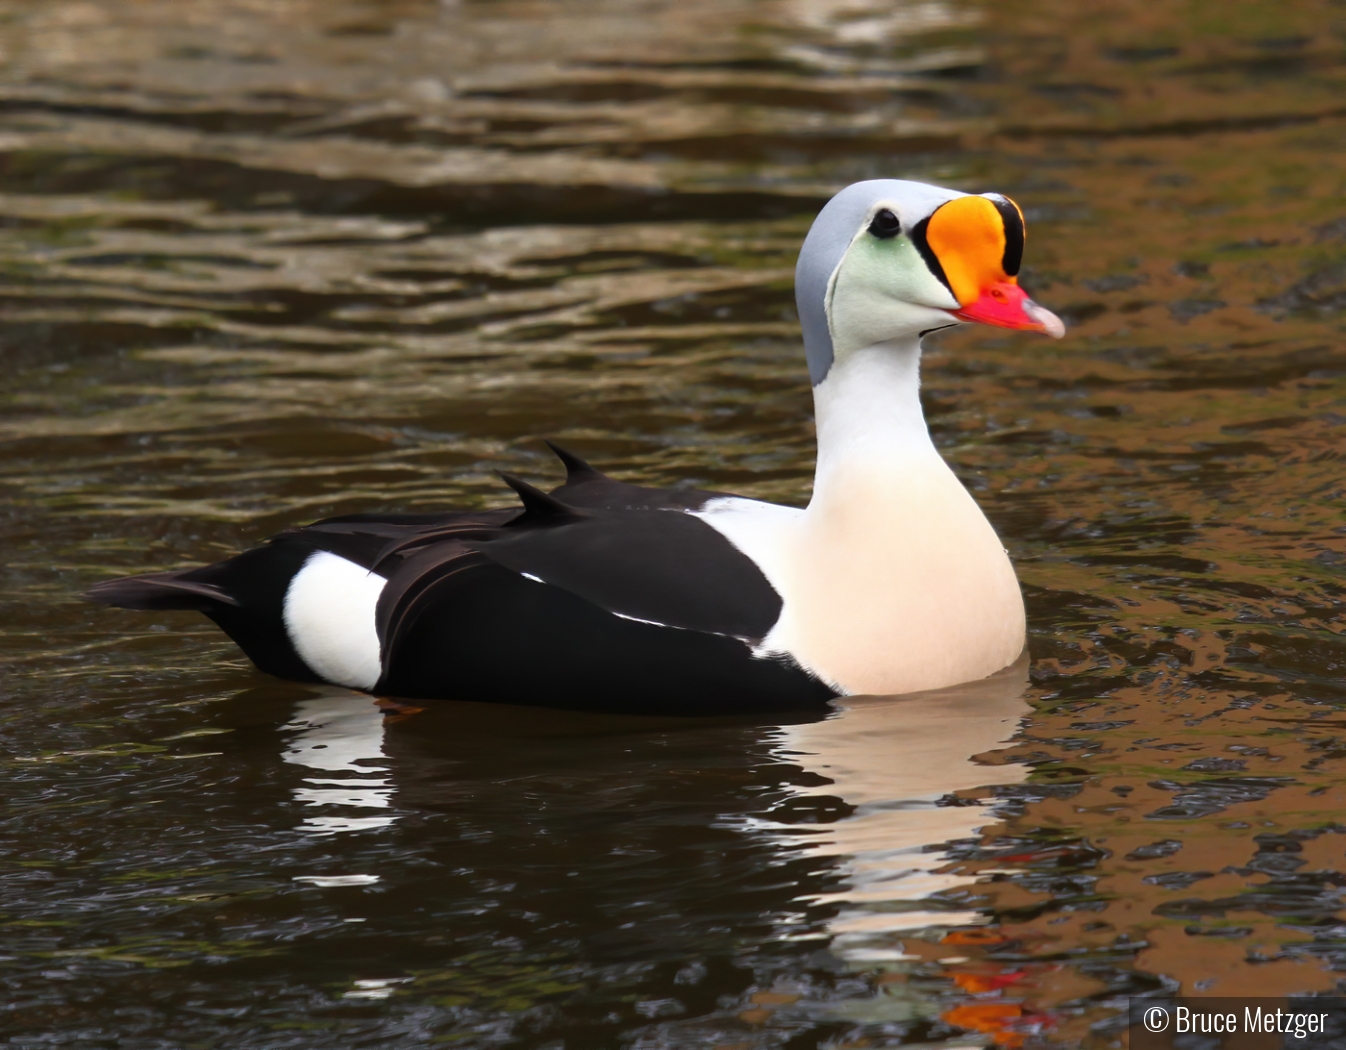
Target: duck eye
[(885, 224)]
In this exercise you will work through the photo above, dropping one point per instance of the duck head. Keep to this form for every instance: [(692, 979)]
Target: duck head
[(890, 260)]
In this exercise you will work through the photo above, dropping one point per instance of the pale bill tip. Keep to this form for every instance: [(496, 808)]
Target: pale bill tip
[(1051, 324)]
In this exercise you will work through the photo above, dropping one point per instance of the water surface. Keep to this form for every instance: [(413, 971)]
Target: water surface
[(266, 262)]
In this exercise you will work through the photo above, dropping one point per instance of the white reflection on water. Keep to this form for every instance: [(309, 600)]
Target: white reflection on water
[(341, 733), (893, 758)]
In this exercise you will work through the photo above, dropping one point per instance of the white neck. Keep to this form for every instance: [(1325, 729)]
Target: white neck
[(897, 581), (869, 417)]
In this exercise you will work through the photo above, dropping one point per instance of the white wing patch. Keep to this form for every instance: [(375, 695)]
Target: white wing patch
[(329, 616)]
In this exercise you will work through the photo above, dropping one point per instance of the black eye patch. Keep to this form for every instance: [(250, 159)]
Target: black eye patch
[(885, 224), (1014, 232)]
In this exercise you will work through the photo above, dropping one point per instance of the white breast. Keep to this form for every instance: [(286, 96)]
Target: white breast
[(901, 588), (329, 616), (890, 584)]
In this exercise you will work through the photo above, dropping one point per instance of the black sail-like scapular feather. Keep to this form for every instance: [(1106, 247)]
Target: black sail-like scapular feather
[(588, 489), (576, 468), (538, 506)]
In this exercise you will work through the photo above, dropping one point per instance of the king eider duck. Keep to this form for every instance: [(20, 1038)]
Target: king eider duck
[(607, 596)]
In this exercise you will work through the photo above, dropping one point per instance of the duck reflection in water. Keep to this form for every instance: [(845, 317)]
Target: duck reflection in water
[(630, 816), (895, 759), (340, 734)]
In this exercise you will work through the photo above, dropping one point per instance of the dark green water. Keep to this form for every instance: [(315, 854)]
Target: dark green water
[(266, 262)]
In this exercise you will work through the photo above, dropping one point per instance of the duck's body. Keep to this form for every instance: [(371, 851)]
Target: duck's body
[(610, 596), (602, 595)]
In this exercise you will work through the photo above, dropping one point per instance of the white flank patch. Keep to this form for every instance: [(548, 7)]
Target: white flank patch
[(329, 615)]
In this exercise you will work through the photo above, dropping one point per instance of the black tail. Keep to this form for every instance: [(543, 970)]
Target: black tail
[(160, 590), (245, 595)]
